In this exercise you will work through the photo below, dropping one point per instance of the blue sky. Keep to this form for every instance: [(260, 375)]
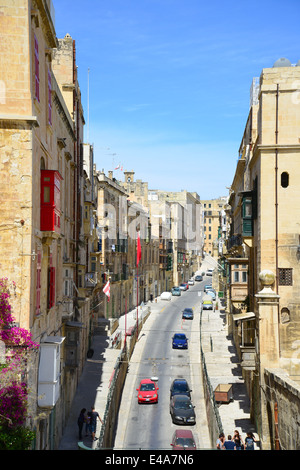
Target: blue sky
[(169, 81)]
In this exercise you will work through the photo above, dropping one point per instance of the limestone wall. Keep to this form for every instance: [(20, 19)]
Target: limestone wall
[(284, 392)]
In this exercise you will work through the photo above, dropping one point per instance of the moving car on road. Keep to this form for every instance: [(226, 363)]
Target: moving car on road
[(198, 278), (183, 286), (147, 391), (188, 314), (179, 341), (181, 410), (183, 439), (180, 387), (175, 291), (191, 282)]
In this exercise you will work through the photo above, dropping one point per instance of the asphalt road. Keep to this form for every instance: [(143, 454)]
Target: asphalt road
[(149, 426)]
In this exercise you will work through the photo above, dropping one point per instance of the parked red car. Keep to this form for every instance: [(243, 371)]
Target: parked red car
[(147, 391), (183, 440)]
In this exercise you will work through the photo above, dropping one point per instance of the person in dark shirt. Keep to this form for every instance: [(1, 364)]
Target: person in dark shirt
[(93, 415), (80, 422), (249, 441), (229, 444)]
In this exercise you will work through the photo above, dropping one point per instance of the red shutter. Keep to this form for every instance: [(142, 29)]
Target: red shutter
[(51, 288), (49, 98), (38, 284), (37, 68)]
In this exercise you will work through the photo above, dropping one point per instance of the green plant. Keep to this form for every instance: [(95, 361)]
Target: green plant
[(13, 391), (18, 438)]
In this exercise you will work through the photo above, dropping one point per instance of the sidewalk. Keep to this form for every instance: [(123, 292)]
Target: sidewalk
[(223, 367), (221, 362)]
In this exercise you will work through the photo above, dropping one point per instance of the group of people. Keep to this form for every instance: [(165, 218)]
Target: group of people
[(90, 421), (236, 442)]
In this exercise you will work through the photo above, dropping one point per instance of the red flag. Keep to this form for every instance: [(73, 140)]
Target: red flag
[(106, 290), (138, 250)]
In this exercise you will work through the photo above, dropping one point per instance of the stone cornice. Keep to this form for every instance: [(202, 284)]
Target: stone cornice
[(49, 28), (18, 119)]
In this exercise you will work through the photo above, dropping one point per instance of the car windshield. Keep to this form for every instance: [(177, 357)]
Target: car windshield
[(180, 386), (188, 310), (147, 387), (185, 442), (179, 336), (182, 405)]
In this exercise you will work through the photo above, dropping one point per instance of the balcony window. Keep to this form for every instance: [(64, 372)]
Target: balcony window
[(247, 216), (50, 200)]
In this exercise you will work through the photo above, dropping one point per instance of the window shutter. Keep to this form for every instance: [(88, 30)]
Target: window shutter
[(38, 284), (51, 288), (49, 98), (37, 68)]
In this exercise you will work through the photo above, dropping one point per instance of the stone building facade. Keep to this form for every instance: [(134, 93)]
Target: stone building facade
[(211, 213), (264, 212), (42, 181)]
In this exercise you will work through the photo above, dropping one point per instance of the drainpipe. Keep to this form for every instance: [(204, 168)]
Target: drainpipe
[(276, 210), (277, 445)]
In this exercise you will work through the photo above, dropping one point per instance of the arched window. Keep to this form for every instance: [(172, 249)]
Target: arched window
[(284, 179)]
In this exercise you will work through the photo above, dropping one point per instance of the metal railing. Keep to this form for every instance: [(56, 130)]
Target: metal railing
[(216, 426)]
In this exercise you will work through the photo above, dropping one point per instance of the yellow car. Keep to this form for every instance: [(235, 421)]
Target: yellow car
[(207, 305)]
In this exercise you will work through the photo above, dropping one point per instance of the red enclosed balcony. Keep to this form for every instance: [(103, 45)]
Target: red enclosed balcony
[(50, 200)]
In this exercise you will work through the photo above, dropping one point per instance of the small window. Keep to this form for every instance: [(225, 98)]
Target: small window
[(285, 276), (46, 194), (284, 179)]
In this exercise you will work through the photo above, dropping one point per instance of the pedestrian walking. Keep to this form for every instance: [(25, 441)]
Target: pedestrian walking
[(238, 440), (220, 441), (80, 422), (93, 415), (87, 424), (229, 444), (249, 441)]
